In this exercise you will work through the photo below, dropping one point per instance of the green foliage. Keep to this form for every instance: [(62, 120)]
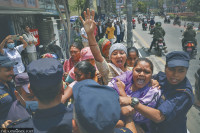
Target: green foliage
[(78, 5), (142, 7), (194, 5)]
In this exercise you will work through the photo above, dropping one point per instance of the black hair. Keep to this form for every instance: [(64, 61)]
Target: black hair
[(146, 60), (77, 45), (132, 49), (46, 95), (86, 67)]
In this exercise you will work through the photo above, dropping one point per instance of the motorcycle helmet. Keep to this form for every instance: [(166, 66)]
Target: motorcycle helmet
[(158, 23), (189, 26)]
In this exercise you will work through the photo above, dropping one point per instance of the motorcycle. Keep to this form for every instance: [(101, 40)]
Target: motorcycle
[(139, 20), (134, 25), (167, 20), (177, 22), (51, 48), (144, 25), (151, 29), (189, 47), (159, 46)]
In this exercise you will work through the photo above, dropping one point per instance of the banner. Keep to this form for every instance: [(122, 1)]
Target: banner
[(36, 35)]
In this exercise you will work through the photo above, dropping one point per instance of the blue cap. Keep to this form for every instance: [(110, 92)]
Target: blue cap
[(177, 58), (6, 62), (22, 79), (97, 107), (44, 73)]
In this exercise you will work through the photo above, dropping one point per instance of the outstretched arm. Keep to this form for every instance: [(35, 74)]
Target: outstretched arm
[(90, 26)]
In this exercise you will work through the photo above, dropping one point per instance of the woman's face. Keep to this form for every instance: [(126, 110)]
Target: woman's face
[(92, 61), (75, 53), (132, 58), (79, 76), (141, 74), (106, 51), (175, 74), (118, 58)]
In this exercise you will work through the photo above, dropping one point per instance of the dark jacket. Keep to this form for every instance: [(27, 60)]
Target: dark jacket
[(158, 32)]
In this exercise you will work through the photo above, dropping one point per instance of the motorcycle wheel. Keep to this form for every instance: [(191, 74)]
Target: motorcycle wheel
[(159, 52)]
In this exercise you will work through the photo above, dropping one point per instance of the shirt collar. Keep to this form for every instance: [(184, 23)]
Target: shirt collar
[(46, 113)]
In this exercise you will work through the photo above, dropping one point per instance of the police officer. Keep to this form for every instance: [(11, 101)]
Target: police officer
[(176, 99), (158, 32), (189, 35), (97, 109), (7, 96), (45, 77), (25, 103)]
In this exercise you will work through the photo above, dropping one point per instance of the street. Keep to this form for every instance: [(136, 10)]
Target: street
[(173, 38)]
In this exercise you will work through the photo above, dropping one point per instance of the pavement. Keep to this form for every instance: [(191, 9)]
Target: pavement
[(173, 38)]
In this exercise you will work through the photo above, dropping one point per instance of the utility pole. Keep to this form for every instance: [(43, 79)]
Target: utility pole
[(129, 24)]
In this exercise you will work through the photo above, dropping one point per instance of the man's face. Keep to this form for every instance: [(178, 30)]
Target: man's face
[(26, 96), (175, 74), (27, 29), (6, 74)]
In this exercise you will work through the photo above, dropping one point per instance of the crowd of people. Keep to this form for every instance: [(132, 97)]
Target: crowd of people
[(102, 88)]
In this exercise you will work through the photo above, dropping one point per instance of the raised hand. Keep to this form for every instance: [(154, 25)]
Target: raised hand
[(89, 23)]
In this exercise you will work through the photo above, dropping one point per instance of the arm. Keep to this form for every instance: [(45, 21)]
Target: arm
[(148, 112), (90, 26), (34, 40), (3, 43), (67, 94), (84, 36), (23, 41), (130, 124)]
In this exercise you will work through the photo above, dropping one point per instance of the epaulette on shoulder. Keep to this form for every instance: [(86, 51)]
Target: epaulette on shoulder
[(188, 91), (18, 122)]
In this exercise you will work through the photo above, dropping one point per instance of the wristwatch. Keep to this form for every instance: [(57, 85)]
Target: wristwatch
[(134, 101)]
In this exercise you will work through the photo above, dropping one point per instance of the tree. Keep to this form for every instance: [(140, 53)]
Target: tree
[(78, 6), (194, 5), (142, 7)]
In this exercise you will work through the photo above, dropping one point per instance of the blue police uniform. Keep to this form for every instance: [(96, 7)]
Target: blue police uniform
[(43, 74), (17, 111), (176, 100), (7, 97), (97, 107), (56, 119)]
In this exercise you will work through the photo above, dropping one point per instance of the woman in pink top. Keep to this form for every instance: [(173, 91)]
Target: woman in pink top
[(75, 50)]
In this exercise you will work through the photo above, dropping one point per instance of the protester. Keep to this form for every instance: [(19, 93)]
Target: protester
[(82, 70), (84, 37), (138, 84), (7, 48), (25, 104), (104, 45), (45, 77), (132, 56), (75, 50), (86, 55), (103, 112), (110, 32), (7, 96), (117, 53), (32, 41), (176, 96)]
